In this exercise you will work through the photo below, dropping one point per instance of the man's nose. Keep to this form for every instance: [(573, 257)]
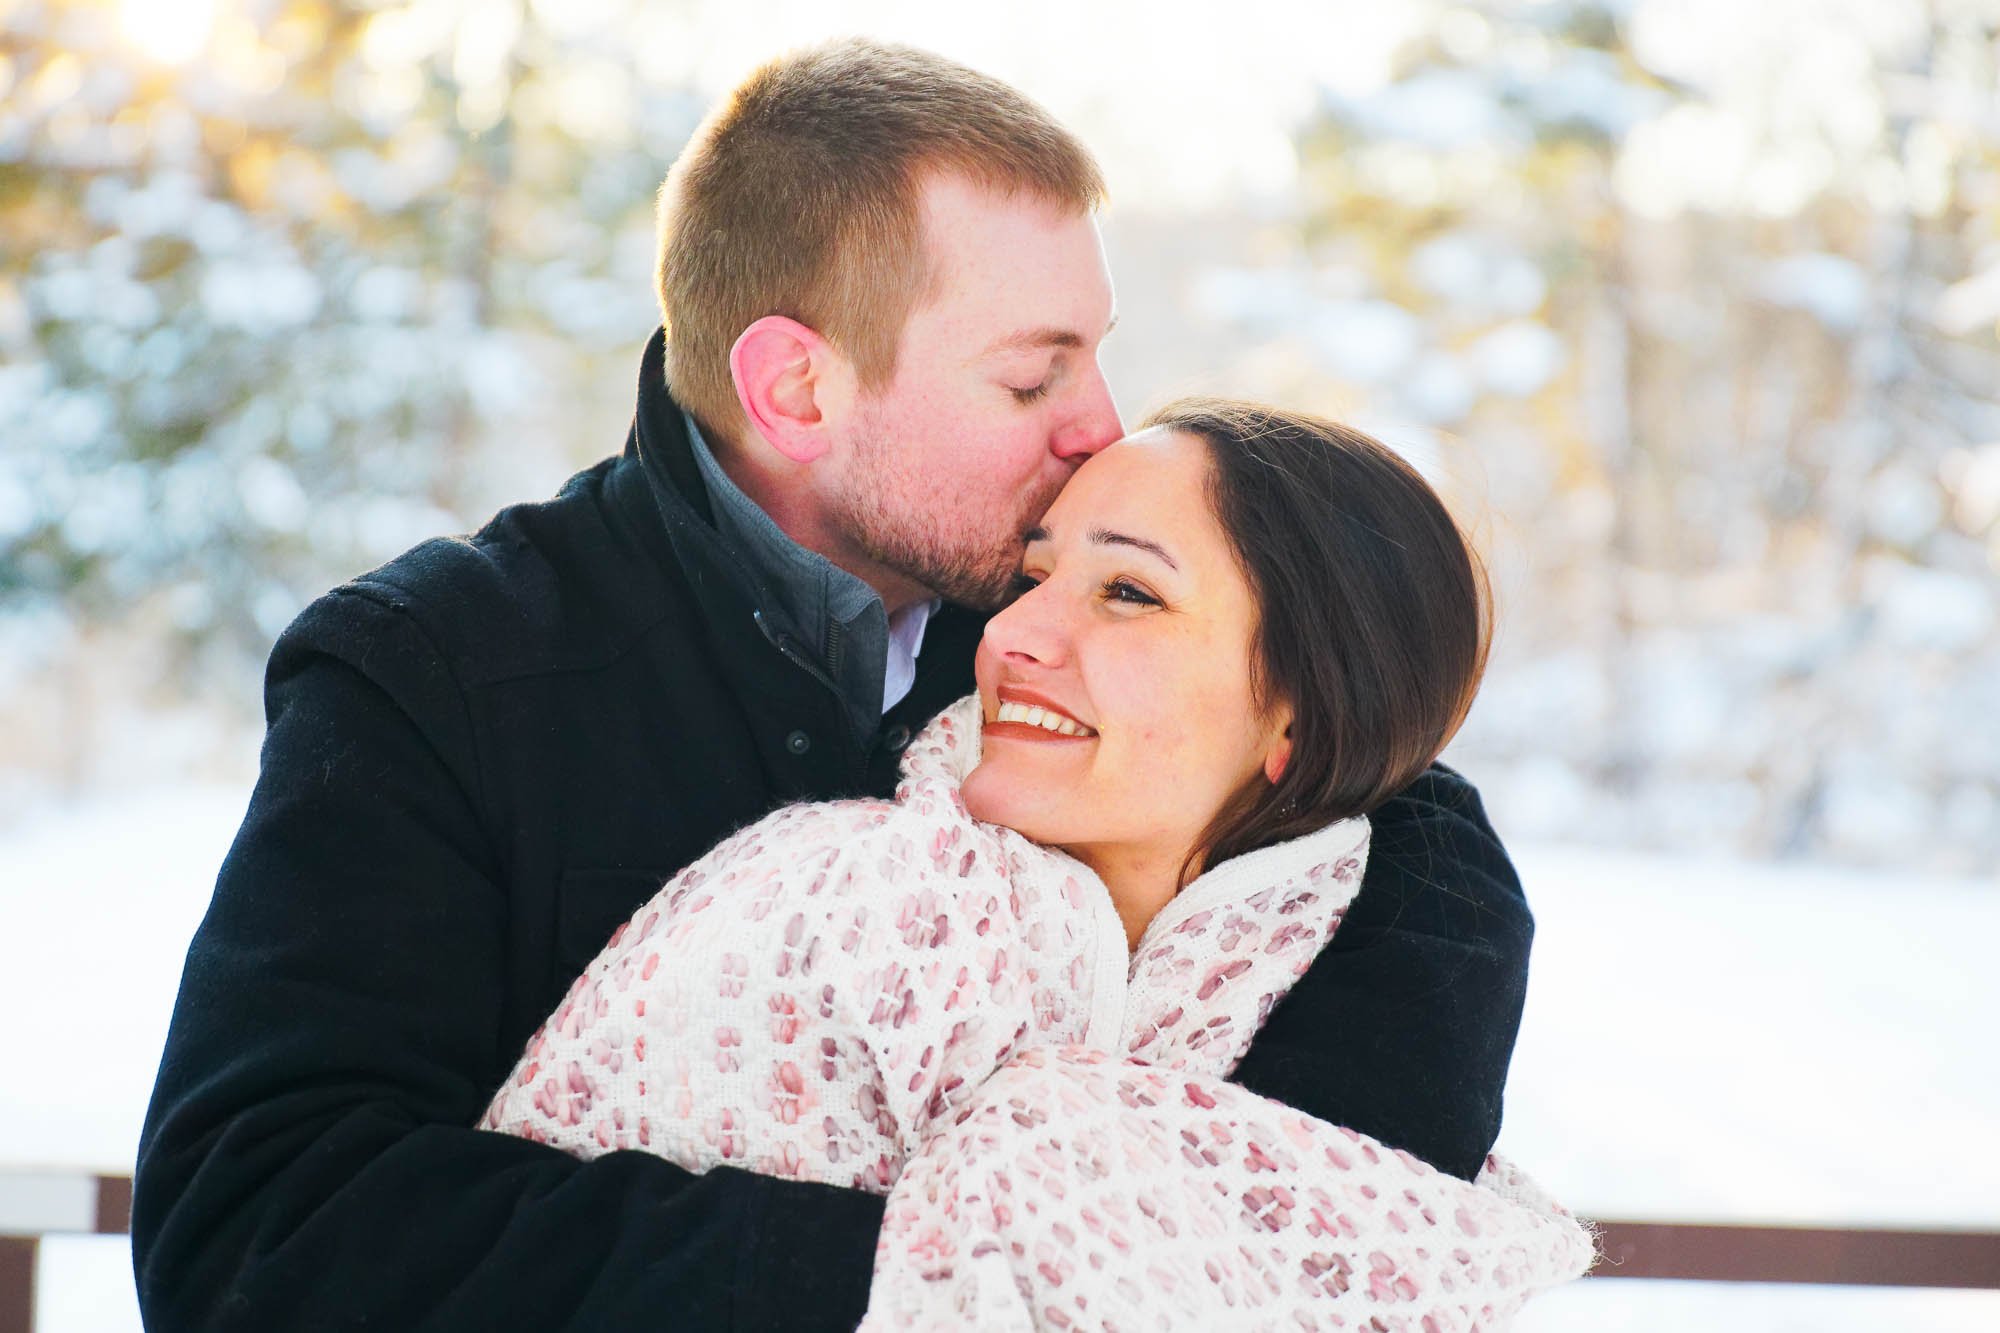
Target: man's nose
[(1095, 424)]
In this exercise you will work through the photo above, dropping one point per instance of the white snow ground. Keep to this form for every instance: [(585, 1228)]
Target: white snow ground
[(1705, 1040)]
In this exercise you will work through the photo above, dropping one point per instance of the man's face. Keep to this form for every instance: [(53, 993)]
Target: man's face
[(996, 398)]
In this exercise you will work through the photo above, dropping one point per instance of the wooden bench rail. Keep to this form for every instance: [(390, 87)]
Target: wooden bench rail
[(46, 1203), (1840, 1256), (17, 1284)]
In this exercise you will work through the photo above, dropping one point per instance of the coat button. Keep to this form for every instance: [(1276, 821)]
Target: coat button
[(798, 742), (897, 738)]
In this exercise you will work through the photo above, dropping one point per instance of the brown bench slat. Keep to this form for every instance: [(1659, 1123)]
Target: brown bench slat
[(17, 1284), (1844, 1256), (114, 1205), (1840, 1256)]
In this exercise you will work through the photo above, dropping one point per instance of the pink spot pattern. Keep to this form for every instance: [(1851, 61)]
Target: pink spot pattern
[(1085, 1190), (892, 996)]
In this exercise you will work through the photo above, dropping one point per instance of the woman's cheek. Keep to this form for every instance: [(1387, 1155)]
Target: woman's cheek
[(1168, 731)]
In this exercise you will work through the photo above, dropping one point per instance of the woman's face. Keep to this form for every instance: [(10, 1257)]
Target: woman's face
[(1116, 689)]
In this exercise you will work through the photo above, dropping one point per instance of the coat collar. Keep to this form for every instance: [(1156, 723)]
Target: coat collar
[(661, 473)]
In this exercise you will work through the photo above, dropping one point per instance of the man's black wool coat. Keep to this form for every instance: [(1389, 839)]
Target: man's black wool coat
[(481, 758)]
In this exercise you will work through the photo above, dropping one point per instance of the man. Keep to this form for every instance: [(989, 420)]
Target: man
[(886, 295)]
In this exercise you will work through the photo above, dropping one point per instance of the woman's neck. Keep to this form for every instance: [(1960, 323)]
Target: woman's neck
[(1142, 880)]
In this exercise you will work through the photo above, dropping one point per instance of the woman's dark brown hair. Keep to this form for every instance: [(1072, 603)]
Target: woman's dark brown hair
[(1373, 613)]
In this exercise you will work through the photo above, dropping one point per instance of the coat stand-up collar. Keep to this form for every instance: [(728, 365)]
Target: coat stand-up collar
[(828, 619)]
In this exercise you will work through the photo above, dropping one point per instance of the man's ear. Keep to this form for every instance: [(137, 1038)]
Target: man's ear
[(781, 369), (1280, 752)]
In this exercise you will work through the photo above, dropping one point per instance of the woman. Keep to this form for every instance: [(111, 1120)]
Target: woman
[(1011, 998)]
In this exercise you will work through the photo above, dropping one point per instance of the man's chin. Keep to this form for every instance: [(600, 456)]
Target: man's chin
[(986, 598), (980, 590), (963, 578)]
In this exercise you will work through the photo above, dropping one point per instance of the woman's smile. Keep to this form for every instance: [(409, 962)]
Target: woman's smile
[(1025, 715)]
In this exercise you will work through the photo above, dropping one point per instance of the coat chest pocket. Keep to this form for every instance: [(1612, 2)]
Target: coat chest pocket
[(593, 904)]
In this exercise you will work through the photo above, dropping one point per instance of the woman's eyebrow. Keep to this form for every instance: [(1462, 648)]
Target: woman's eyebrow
[(1106, 537)]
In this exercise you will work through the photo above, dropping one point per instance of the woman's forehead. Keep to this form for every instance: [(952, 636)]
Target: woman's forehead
[(1152, 486)]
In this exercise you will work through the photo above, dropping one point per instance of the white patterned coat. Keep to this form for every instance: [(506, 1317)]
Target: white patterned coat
[(895, 997)]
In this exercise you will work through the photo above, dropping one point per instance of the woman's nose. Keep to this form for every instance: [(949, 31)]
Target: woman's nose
[(1031, 628)]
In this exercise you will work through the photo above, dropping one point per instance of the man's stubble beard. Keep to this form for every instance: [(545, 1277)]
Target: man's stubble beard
[(895, 531)]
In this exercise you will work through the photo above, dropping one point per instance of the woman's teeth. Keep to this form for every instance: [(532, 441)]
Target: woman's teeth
[(1044, 718)]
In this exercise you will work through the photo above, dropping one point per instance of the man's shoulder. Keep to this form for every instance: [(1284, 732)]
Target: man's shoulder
[(554, 585)]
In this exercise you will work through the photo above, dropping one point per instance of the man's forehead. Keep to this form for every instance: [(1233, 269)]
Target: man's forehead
[(1011, 273), (969, 225)]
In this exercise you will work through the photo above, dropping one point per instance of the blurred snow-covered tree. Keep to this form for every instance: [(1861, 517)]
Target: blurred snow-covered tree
[(289, 285), (1708, 296)]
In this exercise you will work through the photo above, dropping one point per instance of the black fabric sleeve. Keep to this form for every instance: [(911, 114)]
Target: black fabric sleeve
[(308, 1161), (1404, 1025)]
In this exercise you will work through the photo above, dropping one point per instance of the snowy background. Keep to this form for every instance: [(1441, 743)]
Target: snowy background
[(1692, 306)]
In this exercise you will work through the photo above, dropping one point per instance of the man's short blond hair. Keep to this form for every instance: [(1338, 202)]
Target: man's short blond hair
[(801, 195)]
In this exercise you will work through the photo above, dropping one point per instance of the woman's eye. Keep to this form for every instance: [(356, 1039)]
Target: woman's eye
[(1035, 394), (1129, 593), (1023, 583)]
